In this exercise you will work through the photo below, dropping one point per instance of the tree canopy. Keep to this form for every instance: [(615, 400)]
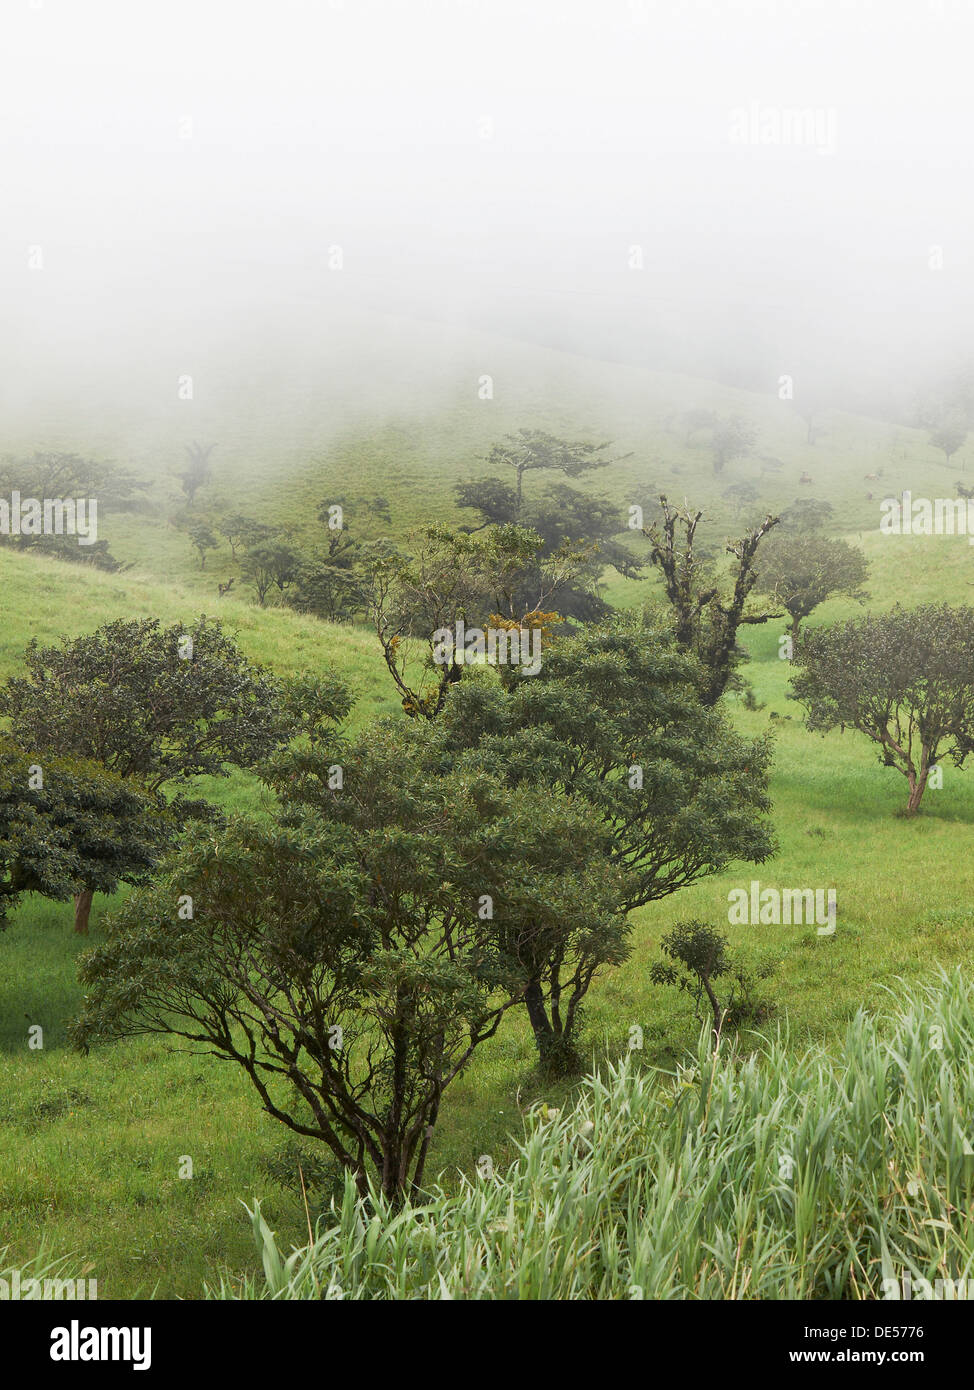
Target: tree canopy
[(904, 678), (343, 954)]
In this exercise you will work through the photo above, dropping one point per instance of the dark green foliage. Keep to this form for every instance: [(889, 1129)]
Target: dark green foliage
[(802, 571), (82, 827), (125, 697), (560, 515), (50, 476), (272, 564), (701, 959), (202, 539), (454, 576), (341, 954), (614, 720), (904, 678)]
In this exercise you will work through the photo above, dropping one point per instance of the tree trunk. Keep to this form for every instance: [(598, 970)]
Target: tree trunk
[(918, 786), (82, 910), (543, 1031), (557, 1054)]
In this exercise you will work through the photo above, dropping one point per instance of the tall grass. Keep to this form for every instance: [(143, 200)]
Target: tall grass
[(773, 1176)]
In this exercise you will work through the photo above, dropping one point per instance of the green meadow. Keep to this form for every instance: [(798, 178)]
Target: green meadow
[(94, 1146)]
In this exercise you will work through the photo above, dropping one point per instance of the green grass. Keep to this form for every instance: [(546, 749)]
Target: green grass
[(787, 1174), (93, 1145)]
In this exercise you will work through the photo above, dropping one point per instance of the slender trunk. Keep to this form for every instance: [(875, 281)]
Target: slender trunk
[(714, 1008), (82, 910)]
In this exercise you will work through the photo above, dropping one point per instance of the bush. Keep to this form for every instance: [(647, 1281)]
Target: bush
[(768, 1176)]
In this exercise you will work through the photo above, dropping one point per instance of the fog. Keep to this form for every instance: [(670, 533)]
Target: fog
[(733, 191)]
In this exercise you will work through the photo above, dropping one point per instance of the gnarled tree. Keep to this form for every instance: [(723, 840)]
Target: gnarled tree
[(706, 616)]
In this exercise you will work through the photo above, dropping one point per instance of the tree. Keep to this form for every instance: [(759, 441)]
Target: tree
[(742, 496), (234, 529), (531, 450), (68, 823), (802, 571), (272, 564), (340, 954), (731, 439), (452, 577), (69, 482), (614, 719), (807, 514), (948, 437), (160, 706), (701, 958), (904, 678), (202, 539), (197, 472), (561, 515), (331, 583), (706, 623)]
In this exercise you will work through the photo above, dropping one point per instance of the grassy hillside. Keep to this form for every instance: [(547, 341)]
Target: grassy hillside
[(93, 1144)]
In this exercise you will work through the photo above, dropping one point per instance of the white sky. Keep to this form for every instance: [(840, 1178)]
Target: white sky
[(362, 123)]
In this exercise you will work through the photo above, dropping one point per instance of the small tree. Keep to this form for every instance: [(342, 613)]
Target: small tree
[(158, 705), (948, 437), (272, 565), (561, 515), (531, 450), (341, 955), (705, 621), (742, 496), (197, 472), (905, 679), (66, 823), (806, 514), (202, 539), (701, 959), (802, 571), (234, 528)]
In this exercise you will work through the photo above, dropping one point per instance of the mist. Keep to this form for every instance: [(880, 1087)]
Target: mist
[(732, 192)]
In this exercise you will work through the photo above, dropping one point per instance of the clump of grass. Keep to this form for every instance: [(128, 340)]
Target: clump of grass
[(777, 1175)]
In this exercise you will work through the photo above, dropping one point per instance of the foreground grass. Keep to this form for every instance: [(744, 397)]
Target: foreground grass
[(781, 1175)]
